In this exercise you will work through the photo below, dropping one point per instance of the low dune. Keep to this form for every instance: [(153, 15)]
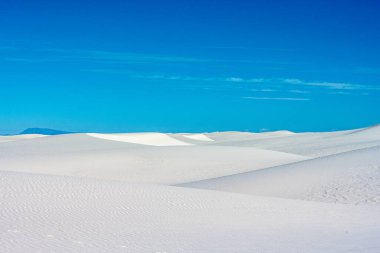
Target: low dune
[(19, 137), (63, 214), (350, 177), (71, 155), (208, 192), (151, 139), (311, 144)]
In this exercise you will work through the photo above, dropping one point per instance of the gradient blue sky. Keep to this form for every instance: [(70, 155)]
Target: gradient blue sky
[(189, 66)]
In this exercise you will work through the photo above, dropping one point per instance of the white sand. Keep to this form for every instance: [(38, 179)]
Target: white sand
[(235, 192), (351, 177), (59, 214), (306, 144), (198, 137), (69, 155), (151, 139), (20, 137)]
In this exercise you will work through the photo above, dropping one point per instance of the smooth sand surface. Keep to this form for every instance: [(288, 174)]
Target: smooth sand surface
[(208, 192)]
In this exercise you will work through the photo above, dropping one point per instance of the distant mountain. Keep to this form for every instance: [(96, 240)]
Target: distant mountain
[(45, 131)]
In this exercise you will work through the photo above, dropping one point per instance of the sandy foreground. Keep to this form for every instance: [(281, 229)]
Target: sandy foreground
[(212, 192)]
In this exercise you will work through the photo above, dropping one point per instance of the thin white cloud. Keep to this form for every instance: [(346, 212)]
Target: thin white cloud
[(114, 56), (235, 79), (340, 93), (329, 85), (337, 86), (300, 82), (268, 90), (299, 91), (77, 55), (292, 81), (104, 56), (264, 90), (256, 80), (278, 98), (266, 83)]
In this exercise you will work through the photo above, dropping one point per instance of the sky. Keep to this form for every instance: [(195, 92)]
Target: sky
[(189, 66)]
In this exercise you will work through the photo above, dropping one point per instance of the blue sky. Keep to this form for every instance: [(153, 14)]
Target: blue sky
[(189, 66)]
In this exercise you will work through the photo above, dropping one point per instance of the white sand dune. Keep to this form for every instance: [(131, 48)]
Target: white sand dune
[(306, 144), (72, 156), (151, 139), (20, 137), (367, 132), (279, 133), (59, 214), (198, 137), (351, 177), (258, 192)]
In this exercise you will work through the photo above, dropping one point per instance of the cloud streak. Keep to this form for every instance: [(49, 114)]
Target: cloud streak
[(278, 98), (329, 85), (264, 90), (279, 81), (299, 82), (58, 55), (292, 85), (73, 55), (111, 56), (299, 91)]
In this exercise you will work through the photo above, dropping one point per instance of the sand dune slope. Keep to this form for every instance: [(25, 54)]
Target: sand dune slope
[(351, 177), (81, 155), (198, 137), (151, 139), (307, 144), (19, 137), (60, 214)]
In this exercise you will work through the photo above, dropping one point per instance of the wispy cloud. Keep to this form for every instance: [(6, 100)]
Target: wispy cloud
[(235, 79), (299, 91), (251, 48), (175, 77), (243, 80), (114, 56), (300, 82), (292, 85), (278, 98), (103, 56), (260, 84), (339, 93), (268, 90), (272, 49), (329, 85), (73, 55), (226, 47), (264, 90)]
